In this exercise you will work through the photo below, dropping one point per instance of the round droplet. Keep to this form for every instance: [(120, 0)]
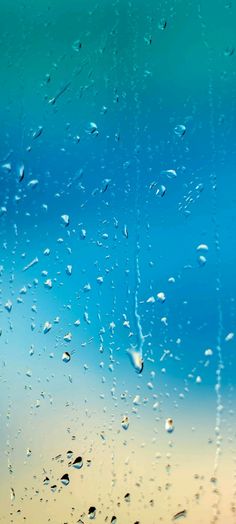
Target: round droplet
[(125, 422), (46, 481), (66, 357), (65, 220), (170, 173), (202, 260), (78, 463), (161, 190), (161, 296), (48, 283), (77, 45), (92, 512), (68, 337), (169, 425), (229, 337), (136, 400), (208, 352), (8, 306), (180, 130), (65, 479), (229, 51), (92, 128)]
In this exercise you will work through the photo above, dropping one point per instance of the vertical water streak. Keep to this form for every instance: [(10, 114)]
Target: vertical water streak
[(141, 337), (213, 181)]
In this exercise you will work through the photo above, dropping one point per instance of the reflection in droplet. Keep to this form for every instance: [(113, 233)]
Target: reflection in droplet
[(125, 422), (77, 45), (78, 463), (92, 129), (92, 512), (65, 479), (65, 220), (136, 360), (66, 357), (169, 425)]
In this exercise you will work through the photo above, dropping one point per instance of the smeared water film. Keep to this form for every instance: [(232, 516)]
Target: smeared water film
[(117, 264)]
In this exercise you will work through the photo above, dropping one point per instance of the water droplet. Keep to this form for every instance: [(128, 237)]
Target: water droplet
[(180, 130), (150, 300), (125, 231), (33, 183), (68, 337), (105, 184), (65, 479), (169, 425), (78, 463), (92, 129), (92, 512), (202, 260), (136, 400), (48, 283), (8, 306), (69, 270), (136, 360), (46, 481), (31, 264), (180, 515), (65, 220), (66, 357), (38, 132), (161, 296), (83, 234), (202, 247), (47, 326), (3, 211), (229, 337), (208, 352), (77, 45), (7, 167), (170, 173), (21, 173), (229, 51), (162, 24), (125, 422)]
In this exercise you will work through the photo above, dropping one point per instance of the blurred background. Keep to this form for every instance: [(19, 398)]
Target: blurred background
[(117, 263)]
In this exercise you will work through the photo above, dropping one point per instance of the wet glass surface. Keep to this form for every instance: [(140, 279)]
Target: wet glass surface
[(117, 263)]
